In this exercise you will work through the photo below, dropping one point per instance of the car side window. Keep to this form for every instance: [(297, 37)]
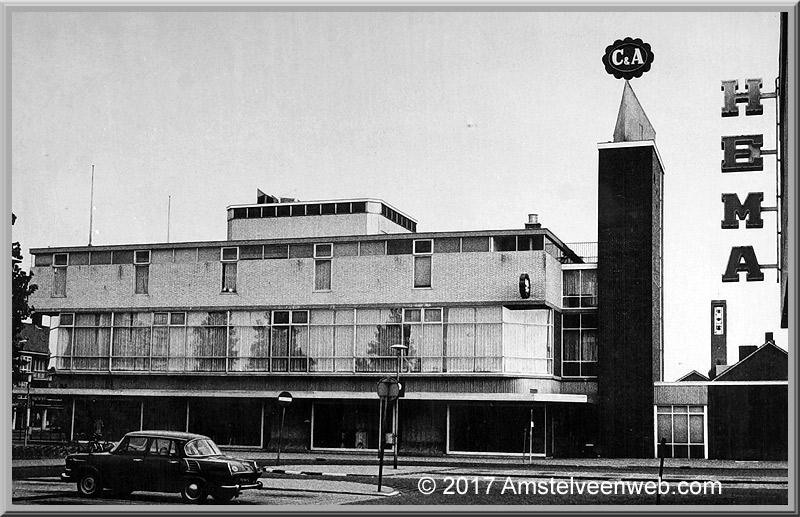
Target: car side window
[(134, 445), (163, 447)]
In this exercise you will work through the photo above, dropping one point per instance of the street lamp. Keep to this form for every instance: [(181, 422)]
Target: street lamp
[(395, 427), (28, 410)]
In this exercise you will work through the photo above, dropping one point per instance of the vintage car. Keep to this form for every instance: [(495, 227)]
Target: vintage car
[(163, 461)]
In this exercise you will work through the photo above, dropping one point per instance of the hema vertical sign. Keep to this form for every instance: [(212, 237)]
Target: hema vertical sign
[(744, 153)]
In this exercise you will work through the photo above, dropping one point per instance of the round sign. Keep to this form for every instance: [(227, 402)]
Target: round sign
[(628, 58), (284, 399), (525, 285), (388, 387)]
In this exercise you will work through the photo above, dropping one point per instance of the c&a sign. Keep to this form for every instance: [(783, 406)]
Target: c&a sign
[(628, 58), (744, 153)]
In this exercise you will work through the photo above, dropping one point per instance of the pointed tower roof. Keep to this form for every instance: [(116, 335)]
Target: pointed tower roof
[(632, 122)]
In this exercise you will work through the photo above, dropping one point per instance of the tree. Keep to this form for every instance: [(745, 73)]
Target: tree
[(21, 289)]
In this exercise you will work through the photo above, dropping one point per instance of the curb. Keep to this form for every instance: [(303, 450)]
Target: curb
[(308, 473), (311, 473), (731, 481)]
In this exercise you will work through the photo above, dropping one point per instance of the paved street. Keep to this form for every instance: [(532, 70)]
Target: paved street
[(314, 479), (277, 492)]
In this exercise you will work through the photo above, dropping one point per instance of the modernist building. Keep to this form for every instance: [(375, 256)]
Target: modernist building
[(505, 329), (308, 297)]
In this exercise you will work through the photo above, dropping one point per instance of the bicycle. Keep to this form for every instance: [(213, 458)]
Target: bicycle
[(98, 445), (95, 444)]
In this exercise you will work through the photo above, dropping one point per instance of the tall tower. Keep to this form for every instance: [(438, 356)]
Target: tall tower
[(629, 274), (719, 332)]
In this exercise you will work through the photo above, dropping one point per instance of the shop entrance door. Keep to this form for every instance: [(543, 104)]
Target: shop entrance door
[(537, 438)]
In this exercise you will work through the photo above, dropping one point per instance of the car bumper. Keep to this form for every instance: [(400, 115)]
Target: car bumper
[(251, 486)]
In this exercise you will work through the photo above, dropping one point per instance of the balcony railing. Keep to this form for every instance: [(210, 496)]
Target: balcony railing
[(585, 250)]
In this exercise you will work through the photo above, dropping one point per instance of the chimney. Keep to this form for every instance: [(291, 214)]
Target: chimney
[(768, 338), (746, 350), (533, 221)]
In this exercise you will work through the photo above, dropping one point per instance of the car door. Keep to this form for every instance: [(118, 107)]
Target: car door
[(125, 465), (162, 467)]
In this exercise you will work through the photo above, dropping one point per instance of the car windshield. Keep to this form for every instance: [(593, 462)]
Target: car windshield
[(201, 447)]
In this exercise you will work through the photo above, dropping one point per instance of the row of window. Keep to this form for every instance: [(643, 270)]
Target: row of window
[(313, 209), (456, 339), (579, 286), (453, 339), (270, 210), (230, 256), (298, 250)]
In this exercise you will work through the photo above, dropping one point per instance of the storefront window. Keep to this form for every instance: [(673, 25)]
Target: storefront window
[(227, 421), (683, 427), (346, 425), (497, 429)]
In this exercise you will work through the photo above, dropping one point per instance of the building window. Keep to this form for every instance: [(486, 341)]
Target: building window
[(141, 262), (249, 343), (84, 341), (683, 427), (579, 345), (131, 341), (169, 341), (290, 341), (66, 331), (423, 249), (207, 341), (580, 288), (423, 334), (527, 341), (322, 266), (229, 258), (25, 365), (60, 274)]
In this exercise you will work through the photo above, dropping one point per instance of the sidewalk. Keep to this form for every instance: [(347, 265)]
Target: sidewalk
[(333, 458), (348, 464)]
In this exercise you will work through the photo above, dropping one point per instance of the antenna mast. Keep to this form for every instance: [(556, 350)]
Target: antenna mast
[(169, 206), (91, 208)]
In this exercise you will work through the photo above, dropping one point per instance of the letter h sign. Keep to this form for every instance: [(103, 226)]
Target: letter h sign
[(740, 154)]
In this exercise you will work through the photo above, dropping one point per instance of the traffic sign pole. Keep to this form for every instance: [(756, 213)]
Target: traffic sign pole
[(280, 436), (388, 389), (284, 399), (381, 442)]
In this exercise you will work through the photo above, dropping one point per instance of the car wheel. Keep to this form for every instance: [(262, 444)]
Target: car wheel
[(223, 496), (89, 485), (193, 491)]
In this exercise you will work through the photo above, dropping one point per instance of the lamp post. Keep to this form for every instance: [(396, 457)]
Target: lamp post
[(395, 421), (28, 410)]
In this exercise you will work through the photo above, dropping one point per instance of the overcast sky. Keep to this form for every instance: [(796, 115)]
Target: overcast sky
[(464, 121)]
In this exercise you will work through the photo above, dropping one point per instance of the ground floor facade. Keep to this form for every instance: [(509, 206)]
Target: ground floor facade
[(427, 427)]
